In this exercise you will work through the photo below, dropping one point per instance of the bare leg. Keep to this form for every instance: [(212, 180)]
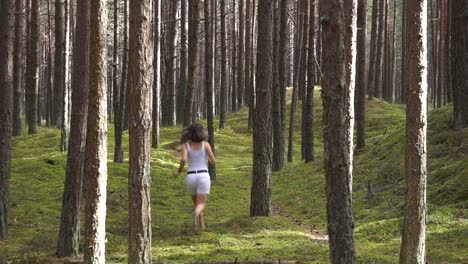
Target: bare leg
[(194, 199), (201, 204)]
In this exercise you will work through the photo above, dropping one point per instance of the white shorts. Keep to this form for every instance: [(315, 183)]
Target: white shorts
[(198, 183)]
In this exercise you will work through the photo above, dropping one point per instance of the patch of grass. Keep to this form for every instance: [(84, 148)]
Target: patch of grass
[(38, 170)]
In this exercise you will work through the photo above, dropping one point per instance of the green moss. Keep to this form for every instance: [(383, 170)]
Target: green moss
[(38, 170)]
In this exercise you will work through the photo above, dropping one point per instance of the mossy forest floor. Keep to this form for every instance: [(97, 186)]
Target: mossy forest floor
[(294, 234)]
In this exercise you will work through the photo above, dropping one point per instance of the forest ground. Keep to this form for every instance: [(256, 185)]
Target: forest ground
[(295, 233)]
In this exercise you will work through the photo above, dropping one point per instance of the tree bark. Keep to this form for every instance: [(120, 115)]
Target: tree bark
[(459, 61), (192, 60), (279, 144), (183, 62), (119, 119), (59, 63), (260, 201), (157, 74), (361, 75), (277, 162), (209, 80), (413, 248), (224, 95), (169, 111), (18, 67), (33, 68), (234, 103), (6, 108), (309, 153), (380, 49), (240, 57), (303, 75), (65, 121), (69, 234), (339, 62), (373, 51), (139, 181), (115, 67), (95, 220)]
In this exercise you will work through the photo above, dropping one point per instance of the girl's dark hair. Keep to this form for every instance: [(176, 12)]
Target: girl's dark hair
[(193, 133)]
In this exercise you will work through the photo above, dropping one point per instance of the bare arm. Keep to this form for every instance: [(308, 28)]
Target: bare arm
[(211, 156), (183, 160)]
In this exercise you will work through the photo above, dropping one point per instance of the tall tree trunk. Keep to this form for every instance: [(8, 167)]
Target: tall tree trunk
[(183, 61), (240, 57), (279, 144), (50, 88), (303, 73), (373, 51), (413, 246), (248, 50), (18, 67), (119, 119), (192, 60), (95, 220), (277, 162), (380, 49), (459, 63), (309, 154), (33, 68), (115, 67), (139, 84), (224, 94), (59, 64), (6, 108), (169, 113), (297, 59), (69, 234), (447, 53), (361, 75), (403, 51), (209, 79), (234, 103), (260, 201), (339, 62), (157, 74), (65, 121)]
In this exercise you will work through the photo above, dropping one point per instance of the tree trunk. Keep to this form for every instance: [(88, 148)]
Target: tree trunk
[(156, 74), (309, 154), (139, 181), (234, 103), (248, 51), (459, 63), (50, 93), (373, 51), (59, 63), (209, 80), (277, 162), (6, 108), (297, 59), (413, 248), (115, 67), (240, 57), (65, 121), (183, 61), (18, 67), (169, 112), (69, 234), (192, 60), (303, 73), (279, 144), (119, 119), (380, 49), (361, 75), (260, 201), (403, 51), (95, 220), (224, 95), (33, 68), (339, 62)]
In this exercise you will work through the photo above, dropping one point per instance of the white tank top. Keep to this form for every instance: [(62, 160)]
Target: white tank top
[(196, 158)]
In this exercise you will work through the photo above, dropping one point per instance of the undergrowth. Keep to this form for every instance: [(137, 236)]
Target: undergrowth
[(38, 170)]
